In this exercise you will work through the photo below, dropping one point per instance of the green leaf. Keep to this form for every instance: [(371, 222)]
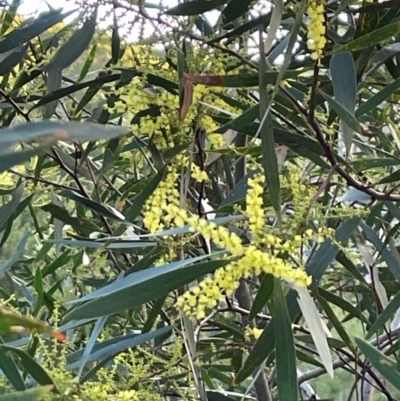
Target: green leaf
[(387, 256), (90, 204), (12, 59), (389, 311), (10, 369), (244, 120), (235, 9), (116, 345), (106, 244), (344, 82), (54, 78), (140, 287), (384, 365), (195, 7), (326, 253), (58, 130), (74, 47), (33, 394), (372, 38), (88, 63), (241, 80), (262, 348), (314, 323), (63, 92), (263, 294), (342, 304), (8, 209), (366, 164), (31, 366), (9, 158), (346, 116), (286, 372), (376, 100), (20, 36), (17, 255)]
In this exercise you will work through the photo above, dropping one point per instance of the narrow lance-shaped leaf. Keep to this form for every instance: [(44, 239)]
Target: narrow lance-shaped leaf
[(286, 373), (74, 47), (379, 35), (344, 82), (20, 36)]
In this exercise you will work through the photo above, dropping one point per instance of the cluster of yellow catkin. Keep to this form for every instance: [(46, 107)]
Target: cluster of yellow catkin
[(316, 28), (261, 255)]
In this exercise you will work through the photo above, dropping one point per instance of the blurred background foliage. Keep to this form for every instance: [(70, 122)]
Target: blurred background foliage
[(205, 156)]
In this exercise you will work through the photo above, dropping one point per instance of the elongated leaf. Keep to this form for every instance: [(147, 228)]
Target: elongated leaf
[(387, 313), (95, 206), (378, 98), (7, 210), (384, 365), (10, 369), (372, 38), (102, 244), (20, 36), (31, 366), (263, 294), (140, 287), (59, 130), (244, 120), (10, 158), (346, 116), (33, 394), (344, 82), (195, 7), (74, 47), (336, 323), (235, 9), (53, 83), (326, 253), (240, 80), (17, 255), (63, 92), (117, 345), (12, 59), (314, 323), (286, 373), (383, 250)]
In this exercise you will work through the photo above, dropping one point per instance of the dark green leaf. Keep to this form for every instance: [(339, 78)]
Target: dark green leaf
[(140, 287), (74, 47), (20, 36), (195, 7), (286, 372)]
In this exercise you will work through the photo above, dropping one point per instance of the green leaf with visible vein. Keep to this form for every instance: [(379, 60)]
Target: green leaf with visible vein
[(344, 82), (389, 311), (140, 287), (383, 364), (372, 38), (345, 115), (57, 130), (286, 372), (74, 47), (378, 98), (20, 36)]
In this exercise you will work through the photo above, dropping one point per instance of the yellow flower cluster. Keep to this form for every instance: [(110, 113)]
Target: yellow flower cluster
[(198, 174), (254, 204), (165, 197), (226, 280), (252, 332), (316, 28)]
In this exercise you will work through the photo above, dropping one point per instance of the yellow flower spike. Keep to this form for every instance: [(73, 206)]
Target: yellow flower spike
[(316, 28)]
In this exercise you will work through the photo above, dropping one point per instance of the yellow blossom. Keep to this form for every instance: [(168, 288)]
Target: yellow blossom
[(316, 28)]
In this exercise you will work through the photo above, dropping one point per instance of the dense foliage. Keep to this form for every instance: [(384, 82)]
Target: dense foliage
[(200, 201)]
